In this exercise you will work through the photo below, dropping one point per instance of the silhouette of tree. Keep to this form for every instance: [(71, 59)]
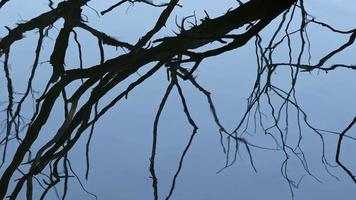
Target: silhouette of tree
[(171, 52)]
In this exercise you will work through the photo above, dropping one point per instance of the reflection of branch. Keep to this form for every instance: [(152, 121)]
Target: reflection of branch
[(42, 21), (32, 75), (3, 2), (159, 24), (324, 59), (154, 141), (105, 38), (9, 109), (338, 150), (194, 132), (71, 17), (149, 2), (97, 81), (112, 7)]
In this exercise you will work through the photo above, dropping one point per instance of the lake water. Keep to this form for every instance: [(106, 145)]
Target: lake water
[(121, 144)]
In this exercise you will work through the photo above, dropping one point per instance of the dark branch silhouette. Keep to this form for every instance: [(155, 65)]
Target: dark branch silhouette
[(82, 110)]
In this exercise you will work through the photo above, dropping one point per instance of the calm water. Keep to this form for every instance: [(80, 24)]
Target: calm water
[(121, 145)]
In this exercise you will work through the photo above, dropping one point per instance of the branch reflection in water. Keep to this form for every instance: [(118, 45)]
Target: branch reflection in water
[(82, 89)]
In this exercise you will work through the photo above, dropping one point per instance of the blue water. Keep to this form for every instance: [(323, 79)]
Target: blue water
[(121, 145)]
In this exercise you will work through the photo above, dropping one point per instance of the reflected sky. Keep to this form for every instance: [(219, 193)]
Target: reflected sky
[(121, 145)]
